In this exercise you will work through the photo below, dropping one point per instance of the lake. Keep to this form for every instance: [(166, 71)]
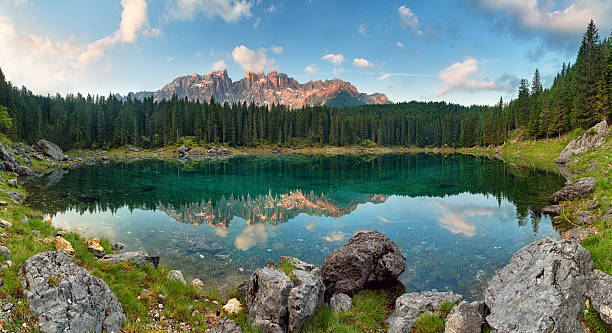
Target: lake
[(456, 218)]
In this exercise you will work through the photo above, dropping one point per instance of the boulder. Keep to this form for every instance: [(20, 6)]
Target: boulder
[(576, 234), (24, 171), (553, 210), (138, 258), (63, 245), (5, 254), (340, 302), (276, 303), (66, 298), (409, 307), (542, 289), (584, 217), (94, 246), (5, 224), (600, 294), (176, 275), (182, 150), (463, 318), (591, 139), (197, 283), (16, 196), (50, 149), (575, 189), (225, 325), (7, 159), (367, 258)]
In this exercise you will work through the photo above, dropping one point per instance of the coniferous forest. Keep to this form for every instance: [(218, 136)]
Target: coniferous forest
[(578, 98)]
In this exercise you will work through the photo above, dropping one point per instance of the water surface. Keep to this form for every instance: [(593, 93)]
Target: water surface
[(456, 218)]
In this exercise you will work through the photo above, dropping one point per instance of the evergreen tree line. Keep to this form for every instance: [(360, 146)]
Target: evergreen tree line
[(579, 97)]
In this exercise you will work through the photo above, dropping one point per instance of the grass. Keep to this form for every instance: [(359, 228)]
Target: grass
[(429, 322), (287, 266)]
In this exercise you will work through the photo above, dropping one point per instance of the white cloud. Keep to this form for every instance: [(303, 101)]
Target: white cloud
[(252, 61), (17, 2), (338, 71), (385, 76), (362, 63), (228, 10), (456, 78), (219, 65), (409, 19), (170, 59), (277, 49), (559, 23), (363, 30), (271, 9), (311, 69), (46, 66), (256, 23), (399, 44), (335, 59)]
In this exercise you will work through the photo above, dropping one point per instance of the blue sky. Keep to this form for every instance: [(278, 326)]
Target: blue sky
[(462, 51)]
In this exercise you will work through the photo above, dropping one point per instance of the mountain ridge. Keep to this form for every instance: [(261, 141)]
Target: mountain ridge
[(263, 89)]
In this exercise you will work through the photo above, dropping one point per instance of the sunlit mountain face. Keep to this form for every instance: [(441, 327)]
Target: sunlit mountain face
[(221, 219)]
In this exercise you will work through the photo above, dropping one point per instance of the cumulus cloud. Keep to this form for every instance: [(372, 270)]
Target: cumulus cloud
[(252, 61), (456, 78), (228, 10), (277, 49), (408, 19), (362, 63), (558, 23), (399, 44), (219, 65), (44, 64), (335, 59), (311, 70)]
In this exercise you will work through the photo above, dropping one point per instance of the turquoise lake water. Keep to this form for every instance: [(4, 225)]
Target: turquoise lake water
[(456, 218)]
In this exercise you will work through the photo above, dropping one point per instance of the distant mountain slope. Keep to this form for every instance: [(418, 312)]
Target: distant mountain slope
[(263, 89)]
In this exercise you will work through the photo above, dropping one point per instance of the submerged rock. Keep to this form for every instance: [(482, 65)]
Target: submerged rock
[(591, 139), (66, 298), (408, 307), (138, 258), (463, 318), (340, 302), (367, 258), (600, 294), (276, 303), (50, 149), (542, 289), (575, 189), (225, 325)]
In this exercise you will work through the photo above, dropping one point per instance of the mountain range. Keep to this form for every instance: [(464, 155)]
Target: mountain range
[(262, 89)]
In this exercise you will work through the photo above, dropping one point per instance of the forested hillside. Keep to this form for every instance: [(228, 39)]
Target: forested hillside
[(579, 97)]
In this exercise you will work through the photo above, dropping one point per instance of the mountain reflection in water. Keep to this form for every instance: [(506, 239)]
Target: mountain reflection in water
[(456, 218)]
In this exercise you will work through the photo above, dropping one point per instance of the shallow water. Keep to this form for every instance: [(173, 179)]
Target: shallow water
[(456, 218)]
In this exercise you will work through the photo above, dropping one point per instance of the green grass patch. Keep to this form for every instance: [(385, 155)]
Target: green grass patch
[(428, 322), (287, 267)]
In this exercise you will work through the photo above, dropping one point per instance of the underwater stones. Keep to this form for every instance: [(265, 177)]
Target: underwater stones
[(225, 325), (575, 189), (368, 257), (94, 246), (463, 318), (276, 303), (66, 298), (138, 258), (232, 306), (50, 149), (63, 245), (410, 306), (541, 289), (340, 302), (176, 275), (600, 294)]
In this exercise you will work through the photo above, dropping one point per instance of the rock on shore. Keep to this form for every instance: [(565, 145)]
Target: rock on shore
[(367, 258), (591, 139), (575, 189), (50, 149), (66, 298), (138, 258), (410, 306)]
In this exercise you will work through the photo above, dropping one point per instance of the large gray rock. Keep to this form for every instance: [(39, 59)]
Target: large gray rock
[(138, 258), (600, 294), (576, 234), (463, 318), (368, 257), (24, 171), (176, 275), (542, 289), (409, 307), (277, 303), (584, 217), (50, 149), (552, 210), (66, 298), (225, 325), (591, 139), (7, 159), (575, 189), (340, 302), (16, 196)]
